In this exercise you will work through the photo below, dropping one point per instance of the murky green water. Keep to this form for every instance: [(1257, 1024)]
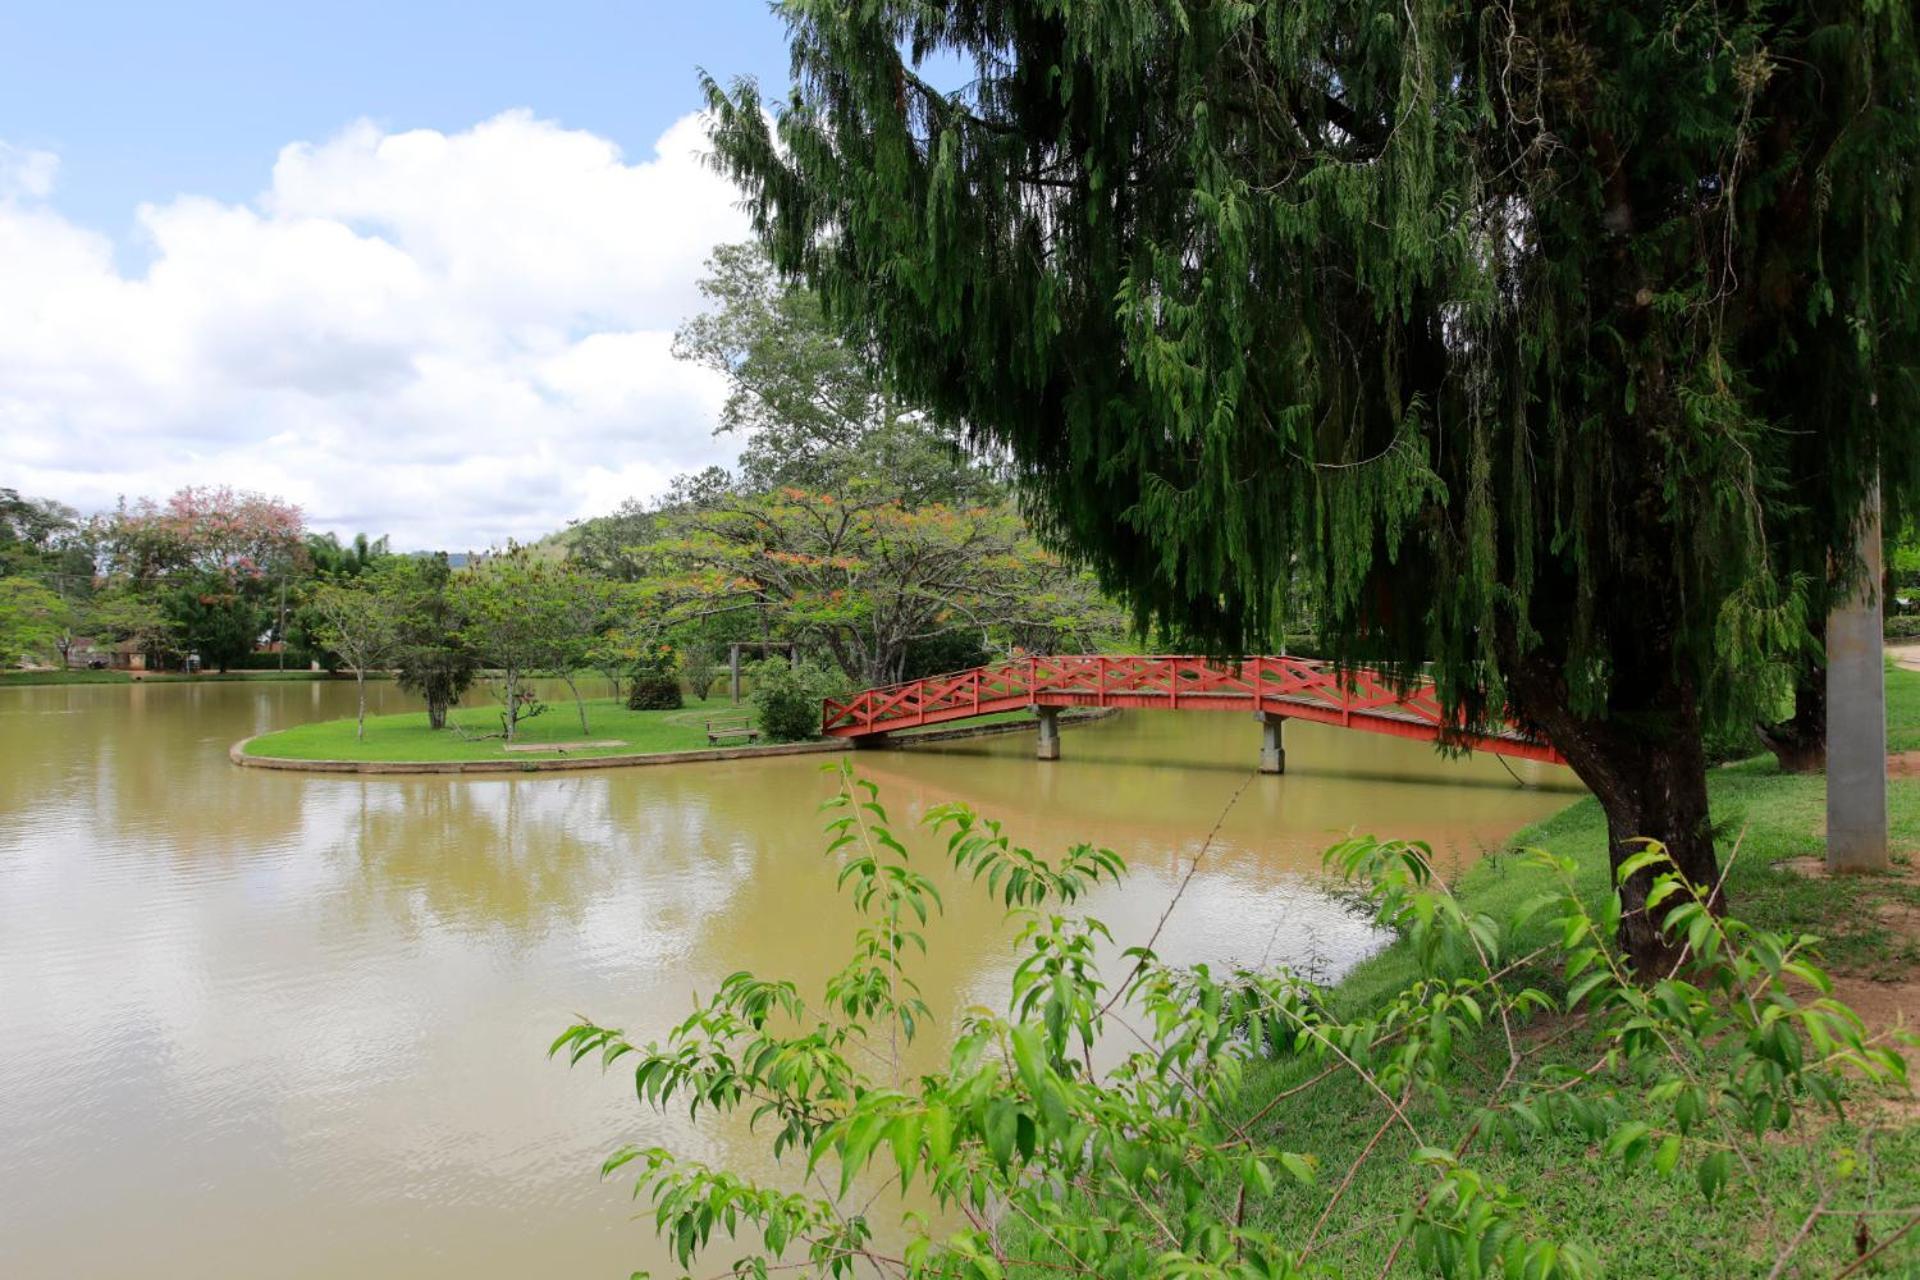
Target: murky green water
[(259, 1023)]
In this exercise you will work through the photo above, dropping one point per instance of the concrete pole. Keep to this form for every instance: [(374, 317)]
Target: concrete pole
[(1049, 746), (1273, 744), (1857, 714)]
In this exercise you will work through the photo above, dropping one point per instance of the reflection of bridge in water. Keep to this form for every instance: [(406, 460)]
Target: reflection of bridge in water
[(1275, 689)]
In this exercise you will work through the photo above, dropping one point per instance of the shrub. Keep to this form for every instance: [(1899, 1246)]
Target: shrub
[(787, 698), (653, 691), (700, 668), (1905, 626), (654, 679)]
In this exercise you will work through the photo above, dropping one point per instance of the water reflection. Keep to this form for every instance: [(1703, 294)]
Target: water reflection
[(250, 1016)]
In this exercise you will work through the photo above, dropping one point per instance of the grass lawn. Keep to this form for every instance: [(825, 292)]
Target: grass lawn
[(407, 737), (77, 676), (1639, 1223)]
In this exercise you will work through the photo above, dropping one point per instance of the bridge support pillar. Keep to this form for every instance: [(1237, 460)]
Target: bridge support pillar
[(1049, 745), (1273, 745)]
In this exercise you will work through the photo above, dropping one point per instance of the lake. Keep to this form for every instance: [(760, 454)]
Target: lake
[(260, 1023)]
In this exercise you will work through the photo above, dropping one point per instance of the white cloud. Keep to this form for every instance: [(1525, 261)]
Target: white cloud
[(452, 338), (25, 172)]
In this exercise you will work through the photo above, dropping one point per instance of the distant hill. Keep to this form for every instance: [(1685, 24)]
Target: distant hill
[(455, 559)]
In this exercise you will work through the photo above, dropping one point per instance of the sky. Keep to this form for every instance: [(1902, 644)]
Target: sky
[(415, 267)]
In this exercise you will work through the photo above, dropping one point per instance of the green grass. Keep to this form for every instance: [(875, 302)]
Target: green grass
[(406, 737), (1903, 709), (1638, 1223), (76, 676)]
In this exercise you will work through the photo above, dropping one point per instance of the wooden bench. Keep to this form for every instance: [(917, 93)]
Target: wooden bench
[(731, 729)]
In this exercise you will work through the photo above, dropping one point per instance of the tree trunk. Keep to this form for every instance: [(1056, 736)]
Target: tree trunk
[(1646, 765), (360, 695), (578, 705), (513, 703), (1799, 744), (436, 713)]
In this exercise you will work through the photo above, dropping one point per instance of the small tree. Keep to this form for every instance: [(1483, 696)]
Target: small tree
[(361, 623), (699, 668), (581, 610), (521, 614), (432, 659)]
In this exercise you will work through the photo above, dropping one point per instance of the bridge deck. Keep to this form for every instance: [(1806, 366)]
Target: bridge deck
[(1296, 688)]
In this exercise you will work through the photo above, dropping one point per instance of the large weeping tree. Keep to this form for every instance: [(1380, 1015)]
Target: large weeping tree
[(1501, 327)]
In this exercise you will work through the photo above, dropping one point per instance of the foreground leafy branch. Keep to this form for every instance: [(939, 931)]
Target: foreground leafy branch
[(1037, 1159)]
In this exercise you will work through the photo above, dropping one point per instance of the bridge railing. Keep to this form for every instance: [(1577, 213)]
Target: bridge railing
[(1302, 688)]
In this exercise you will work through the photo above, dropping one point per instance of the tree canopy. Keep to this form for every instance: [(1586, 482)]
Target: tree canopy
[(867, 577), (1510, 332)]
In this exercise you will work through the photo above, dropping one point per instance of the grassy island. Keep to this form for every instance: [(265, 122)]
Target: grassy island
[(614, 731)]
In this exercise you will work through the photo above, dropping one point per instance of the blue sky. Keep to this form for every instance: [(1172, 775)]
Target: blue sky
[(415, 267), (146, 101)]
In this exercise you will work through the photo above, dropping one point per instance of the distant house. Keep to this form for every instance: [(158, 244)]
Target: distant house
[(87, 650), (126, 656)]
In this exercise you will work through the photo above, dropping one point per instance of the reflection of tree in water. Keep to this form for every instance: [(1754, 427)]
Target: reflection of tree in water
[(524, 855), (145, 766)]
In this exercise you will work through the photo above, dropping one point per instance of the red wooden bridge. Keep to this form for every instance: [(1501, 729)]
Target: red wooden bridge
[(1276, 689)]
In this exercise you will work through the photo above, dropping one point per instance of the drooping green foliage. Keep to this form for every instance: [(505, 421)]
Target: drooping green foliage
[(1475, 310), (1546, 342)]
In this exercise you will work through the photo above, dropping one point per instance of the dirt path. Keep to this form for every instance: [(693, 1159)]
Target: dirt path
[(1886, 1001)]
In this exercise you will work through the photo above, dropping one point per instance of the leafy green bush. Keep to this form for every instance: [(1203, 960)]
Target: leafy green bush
[(1041, 1163), (1905, 626), (653, 692), (786, 699), (654, 679)]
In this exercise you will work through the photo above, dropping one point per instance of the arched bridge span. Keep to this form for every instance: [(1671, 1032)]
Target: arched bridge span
[(1274, 688)]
